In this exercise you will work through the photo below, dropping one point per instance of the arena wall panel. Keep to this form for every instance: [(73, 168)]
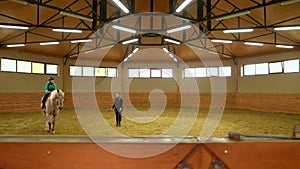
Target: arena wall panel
[(269, 102), (25, 102), (37, 152)]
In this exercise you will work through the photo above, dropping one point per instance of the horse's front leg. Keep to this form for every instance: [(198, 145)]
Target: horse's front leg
[(46, 116), (53, 124)]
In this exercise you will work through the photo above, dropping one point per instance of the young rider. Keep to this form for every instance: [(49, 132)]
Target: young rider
[(49, 87)]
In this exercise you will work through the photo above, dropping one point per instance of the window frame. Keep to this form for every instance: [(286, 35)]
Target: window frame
[(31, 70)]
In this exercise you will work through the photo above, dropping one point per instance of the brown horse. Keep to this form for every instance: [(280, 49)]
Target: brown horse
[(54, 104)]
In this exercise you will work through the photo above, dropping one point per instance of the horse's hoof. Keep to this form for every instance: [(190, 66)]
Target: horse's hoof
[(53, 132)]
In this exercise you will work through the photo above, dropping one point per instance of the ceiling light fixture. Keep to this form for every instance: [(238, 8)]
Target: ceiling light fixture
[(226, 56), (253, 43), (285, 46), (76, 16), (289, 2), (179, 29), (122, 6), (172, 41), (19, 2), (135, 50), (14, 27), (166, 50), (74, 55), (130, 41), (81, 40), (183, 5), (221, 41), (124, 29), (129, 56), (238, 30), (171, 55), (89, 51), (67, 30), (15, 45), (49, 43), (233, 15), (287, 28)]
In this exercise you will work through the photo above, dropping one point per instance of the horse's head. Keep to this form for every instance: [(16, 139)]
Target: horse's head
[(59, 99)]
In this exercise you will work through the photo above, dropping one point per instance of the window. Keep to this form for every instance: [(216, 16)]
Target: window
[(38, 68), (92, 71), (200, 72), (75, 70), (8, 65), (111, 72), (100, 72), (23, 66), (144, 73), (167, 73), (189, 72), (207, 72), (88, 71), (249, 69), (150, 73), (286, 66), (51, 69), (261, 69), (133, 73), (212, 71), (155, 72), (225, 71), (275, 67), (291, 66)]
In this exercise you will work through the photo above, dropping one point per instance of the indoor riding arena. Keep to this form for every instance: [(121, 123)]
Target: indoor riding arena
[(152, 84)]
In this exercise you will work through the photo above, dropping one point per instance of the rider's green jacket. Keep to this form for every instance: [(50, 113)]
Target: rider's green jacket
[(50, 87)]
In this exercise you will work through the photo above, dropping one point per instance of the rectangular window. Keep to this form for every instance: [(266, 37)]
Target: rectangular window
[(249, 69), (133, 73), (111, 72), (225, 71), (275, 67), (51, 69), (88, 71), (167, 73), (100, 72), (23, 66), (212, 71), (261, 69), (75, 70), (8, 65), (189, 72), (201, 72), (144, 73), (291, 66), (38, 68), (155, 72)]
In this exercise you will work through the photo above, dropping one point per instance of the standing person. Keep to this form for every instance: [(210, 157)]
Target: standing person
[(49, 87), (118, 107)]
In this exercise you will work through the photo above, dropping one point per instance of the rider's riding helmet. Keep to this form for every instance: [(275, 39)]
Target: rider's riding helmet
[(50, 78)]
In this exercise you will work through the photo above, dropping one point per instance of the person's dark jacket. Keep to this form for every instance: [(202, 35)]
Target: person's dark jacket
[(118, 104)]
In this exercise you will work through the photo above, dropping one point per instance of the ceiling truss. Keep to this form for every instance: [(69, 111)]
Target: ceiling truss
[(98, 13)]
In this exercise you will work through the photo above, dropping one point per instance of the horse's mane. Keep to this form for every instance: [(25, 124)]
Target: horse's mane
[(56, 93)]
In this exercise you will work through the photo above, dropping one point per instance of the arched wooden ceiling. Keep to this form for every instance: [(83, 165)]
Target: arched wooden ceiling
[(43, 15)]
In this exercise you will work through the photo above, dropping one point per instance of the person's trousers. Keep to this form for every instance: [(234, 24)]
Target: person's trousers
[(118, 117), (45, 98)]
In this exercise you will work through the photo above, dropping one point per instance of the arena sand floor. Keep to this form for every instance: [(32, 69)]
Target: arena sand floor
[(244, 121)]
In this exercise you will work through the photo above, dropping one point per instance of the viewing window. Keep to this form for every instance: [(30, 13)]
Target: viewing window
[(21, 66)]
